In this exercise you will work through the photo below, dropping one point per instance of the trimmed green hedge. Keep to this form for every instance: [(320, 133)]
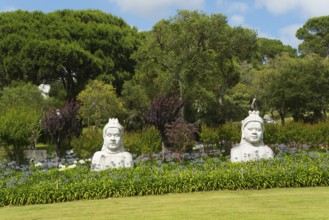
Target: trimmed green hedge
[(36, 186)]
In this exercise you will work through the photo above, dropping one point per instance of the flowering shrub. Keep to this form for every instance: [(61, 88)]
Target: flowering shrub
[(35, 185)]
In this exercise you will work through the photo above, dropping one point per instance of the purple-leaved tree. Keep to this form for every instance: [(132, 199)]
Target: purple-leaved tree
[(62, 125)]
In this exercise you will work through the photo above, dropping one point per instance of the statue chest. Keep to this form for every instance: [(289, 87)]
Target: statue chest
[(113, 161)]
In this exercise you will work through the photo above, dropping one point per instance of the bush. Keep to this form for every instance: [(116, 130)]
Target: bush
[(147, 141), (293, 134), (35, 186), (296, 134), (210, 135), (230, 132), (132, 142), (150, 141), (62, 125), (88, 143)]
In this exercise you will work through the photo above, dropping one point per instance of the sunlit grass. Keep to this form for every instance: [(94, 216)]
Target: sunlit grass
[(299, 203)]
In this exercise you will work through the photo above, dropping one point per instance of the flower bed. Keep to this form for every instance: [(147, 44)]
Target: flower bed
[(35, 185)]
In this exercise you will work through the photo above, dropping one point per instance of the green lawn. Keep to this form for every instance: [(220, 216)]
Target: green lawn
[(301, 203)]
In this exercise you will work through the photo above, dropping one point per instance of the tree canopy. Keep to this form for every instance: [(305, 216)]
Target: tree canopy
[(315, 36), (269, 48), (67, 46), (99, 102), (194, 55), (190, 69), (21, 107)]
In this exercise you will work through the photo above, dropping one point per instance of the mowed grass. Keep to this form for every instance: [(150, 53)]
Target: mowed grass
[(299, 203)]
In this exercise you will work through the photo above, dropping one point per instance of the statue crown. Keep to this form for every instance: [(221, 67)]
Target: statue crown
[(253, 116), (113, 123)]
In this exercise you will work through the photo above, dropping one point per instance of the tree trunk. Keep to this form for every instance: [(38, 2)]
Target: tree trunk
[(163, 151), (19, 155), (282, 114)]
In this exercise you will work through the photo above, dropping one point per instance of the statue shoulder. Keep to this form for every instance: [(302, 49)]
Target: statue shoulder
[(236, 153), (269, 150), (127, 155), (236, 148), (97, 155), (96, 162), (128, 159)]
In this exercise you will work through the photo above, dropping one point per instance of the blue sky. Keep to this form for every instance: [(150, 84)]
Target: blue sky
[(276, 19)]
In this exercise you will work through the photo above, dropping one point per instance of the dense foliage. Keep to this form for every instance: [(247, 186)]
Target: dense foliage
[(315, 36), (164, 111), (66, 46), (87, 143), (196, 56), (21, 107), (296, 135), (113, 70), (144, 142), (99, 102), (62, 125), (35, 186)]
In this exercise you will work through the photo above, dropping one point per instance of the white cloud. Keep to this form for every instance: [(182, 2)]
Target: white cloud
[(277, 6), (237, 20), (156, 8), (288, 35), (308, 8), (238, 6), (9, 8)]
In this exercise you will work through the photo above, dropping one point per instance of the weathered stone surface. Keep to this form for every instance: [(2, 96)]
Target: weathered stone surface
[(36, 155), (112, 154), (251, 146)]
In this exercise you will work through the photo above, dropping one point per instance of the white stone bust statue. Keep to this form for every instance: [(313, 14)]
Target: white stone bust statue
[(251, 146), (112, 154), (44, 89)]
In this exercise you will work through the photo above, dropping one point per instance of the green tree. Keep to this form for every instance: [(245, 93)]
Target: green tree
[(66, 46), (21, 108), (19, 127), (150, 141), (269, 48), (136, 103), (194, 55), (315, 36), (298, 86), (239, 96), (99, 102)]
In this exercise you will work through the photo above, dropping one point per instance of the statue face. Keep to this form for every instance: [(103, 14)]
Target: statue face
[(253, 132), (113, 139)]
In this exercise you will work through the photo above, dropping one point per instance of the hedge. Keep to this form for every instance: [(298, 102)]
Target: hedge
[(35, 185)]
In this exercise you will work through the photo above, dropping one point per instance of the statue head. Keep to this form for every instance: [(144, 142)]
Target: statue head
[(113, 136), (252, 128)]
